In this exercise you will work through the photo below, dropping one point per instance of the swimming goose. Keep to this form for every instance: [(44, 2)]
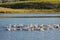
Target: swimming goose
[(9, 28), (57, 26), (14, 27), (21, 26), (31, 27), (50, 27), (42, 27)]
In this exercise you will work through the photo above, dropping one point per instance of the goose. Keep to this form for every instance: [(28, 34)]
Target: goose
[(18, 27), (37, 27), (14, 27), (50, 27), (42, 27), (31, 27), (21, 26), (57, 26), (8, 28)]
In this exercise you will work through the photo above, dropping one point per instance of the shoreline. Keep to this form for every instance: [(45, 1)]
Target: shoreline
[(29, 16), (27, 11)]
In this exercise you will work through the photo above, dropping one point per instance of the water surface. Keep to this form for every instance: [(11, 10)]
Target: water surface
[(53, 34)]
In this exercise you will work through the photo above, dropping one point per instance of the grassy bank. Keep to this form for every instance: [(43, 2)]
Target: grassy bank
[(21, 1), (19, 11), (31, 6)]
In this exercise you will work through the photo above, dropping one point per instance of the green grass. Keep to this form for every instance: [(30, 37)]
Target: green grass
[(20, 11), (53, 1), (8, 10), (48, 1)]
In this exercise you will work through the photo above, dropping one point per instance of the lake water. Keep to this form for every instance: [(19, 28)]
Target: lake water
[(53, 34)]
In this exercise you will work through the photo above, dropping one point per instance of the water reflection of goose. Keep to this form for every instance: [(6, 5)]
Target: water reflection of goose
[(42, 25), (25, 28)]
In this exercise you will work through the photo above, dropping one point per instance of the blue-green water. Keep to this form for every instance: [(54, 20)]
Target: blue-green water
[(53, 34)]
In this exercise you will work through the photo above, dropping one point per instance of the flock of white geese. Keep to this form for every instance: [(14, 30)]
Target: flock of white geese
[(31, 27)]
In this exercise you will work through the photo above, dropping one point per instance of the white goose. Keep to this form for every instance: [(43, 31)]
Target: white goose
[(42, 27), (36, 26), (9, 28), (58, 26), (21, 26), (14, 27), (31, 27), (50, 27)]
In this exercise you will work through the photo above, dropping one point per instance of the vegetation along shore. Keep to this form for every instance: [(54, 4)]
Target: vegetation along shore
[(29, 6)]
